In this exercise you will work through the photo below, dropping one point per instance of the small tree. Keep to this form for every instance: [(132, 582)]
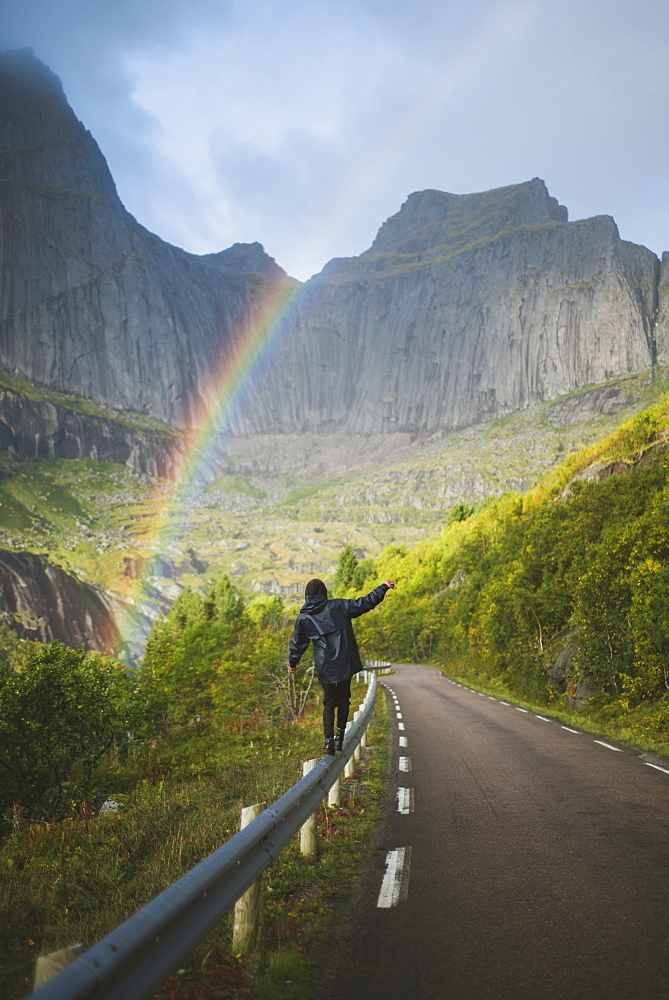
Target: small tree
[(345, 572), (61, 710)]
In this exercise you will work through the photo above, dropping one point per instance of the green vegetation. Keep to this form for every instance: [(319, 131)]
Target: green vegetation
[(241, 485), (210, 724), (557, 596), (61, 712), (352, 573), (274, 532), (551, 593)]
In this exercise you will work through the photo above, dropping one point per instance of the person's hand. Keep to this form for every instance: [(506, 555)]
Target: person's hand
[(389, 583), (291, 670)]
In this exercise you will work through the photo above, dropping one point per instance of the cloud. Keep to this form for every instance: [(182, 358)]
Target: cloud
[(305, 124)]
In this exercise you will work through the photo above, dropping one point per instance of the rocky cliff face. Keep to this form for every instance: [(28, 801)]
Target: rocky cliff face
[(93, 303), (42, 602), (465, 308), (38, 428)]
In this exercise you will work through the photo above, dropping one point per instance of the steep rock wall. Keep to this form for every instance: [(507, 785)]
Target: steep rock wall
[(43, 429), (92, 303), (448, 322), (43, 603), (465, 308)]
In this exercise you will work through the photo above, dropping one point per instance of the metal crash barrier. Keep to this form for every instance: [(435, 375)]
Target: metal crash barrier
[(132, 961)]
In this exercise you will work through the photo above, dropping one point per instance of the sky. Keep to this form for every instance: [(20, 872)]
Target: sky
[(305, 124)]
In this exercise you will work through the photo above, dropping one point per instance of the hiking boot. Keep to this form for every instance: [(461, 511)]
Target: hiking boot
[(339, 739), (329, 745)]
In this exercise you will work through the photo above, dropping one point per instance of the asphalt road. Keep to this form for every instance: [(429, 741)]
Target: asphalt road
[(517, 860)]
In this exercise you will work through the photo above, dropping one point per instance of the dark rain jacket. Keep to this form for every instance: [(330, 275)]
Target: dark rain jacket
[(328, 625)]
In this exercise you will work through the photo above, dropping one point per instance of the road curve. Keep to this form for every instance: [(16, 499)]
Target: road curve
[(518, 860)]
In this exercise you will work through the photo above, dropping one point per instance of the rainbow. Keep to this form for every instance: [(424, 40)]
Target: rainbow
[(247, 358), (242, 363)]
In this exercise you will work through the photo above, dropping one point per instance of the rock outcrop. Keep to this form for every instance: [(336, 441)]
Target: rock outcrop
[(40, 428), (43, 603), (94, 304), (464, 309)]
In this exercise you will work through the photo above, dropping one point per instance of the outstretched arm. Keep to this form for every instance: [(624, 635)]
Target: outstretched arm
[(359, 606)]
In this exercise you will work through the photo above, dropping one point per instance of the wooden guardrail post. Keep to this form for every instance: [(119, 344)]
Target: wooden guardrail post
[(334, 795), (348, 770), (357, 752), (247, 907), (48, 966), (308, 837)]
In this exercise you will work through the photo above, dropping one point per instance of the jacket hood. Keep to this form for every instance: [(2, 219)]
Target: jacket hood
[(314, 604)]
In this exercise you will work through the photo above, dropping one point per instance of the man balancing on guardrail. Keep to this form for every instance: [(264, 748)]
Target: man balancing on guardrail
[(328, 625)]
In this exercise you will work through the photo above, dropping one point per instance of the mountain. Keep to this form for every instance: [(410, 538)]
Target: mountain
[(378, 413), (93, 304), (465, 308)]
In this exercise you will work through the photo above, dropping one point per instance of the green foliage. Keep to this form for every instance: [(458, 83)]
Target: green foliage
[(61, 710), (347, 565), (352, 573), (460, 512), (213, 660), (10, 643), (586, 559)]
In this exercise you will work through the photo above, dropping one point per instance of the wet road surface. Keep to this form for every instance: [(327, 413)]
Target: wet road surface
[(518, 860)]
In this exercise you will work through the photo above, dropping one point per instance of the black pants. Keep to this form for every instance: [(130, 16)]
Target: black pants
[(335, 696)]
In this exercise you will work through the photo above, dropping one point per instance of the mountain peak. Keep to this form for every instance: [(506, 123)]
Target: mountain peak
[(42, 142), (431, 218)]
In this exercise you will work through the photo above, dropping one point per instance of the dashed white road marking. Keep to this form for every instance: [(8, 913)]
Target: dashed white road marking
[(656, 766), (404, 741), (405, 763), (405, 801), (395, 885), (400, 725), (543, 719)]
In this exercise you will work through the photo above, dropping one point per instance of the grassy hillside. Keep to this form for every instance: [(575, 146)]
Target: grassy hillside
[(557, 595)]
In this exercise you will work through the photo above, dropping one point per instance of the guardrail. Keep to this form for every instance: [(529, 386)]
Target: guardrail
[(132, 961)]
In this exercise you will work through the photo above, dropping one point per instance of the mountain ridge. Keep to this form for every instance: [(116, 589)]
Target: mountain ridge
[(464, 308)]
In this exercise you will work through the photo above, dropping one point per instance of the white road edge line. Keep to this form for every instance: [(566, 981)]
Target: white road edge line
[(505, 703), (400, 725), (405, 801), (522, 710), (543, 718), (570, 730), (608, 746), (656, 766), (395, 885), (404, 741), (405, 763)]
